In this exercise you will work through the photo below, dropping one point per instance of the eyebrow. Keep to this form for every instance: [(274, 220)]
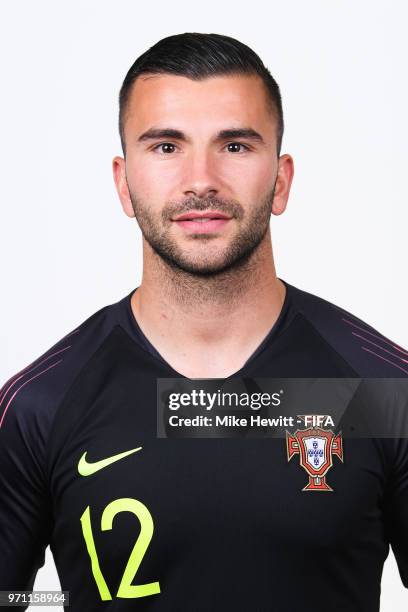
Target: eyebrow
[(156, 133)]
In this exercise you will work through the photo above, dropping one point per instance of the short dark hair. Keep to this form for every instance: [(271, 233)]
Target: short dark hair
[(197, 56)]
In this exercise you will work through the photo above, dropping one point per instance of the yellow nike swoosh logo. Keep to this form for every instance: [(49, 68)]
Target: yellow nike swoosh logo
[(86, 469)]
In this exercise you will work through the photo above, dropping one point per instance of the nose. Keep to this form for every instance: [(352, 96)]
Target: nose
[(199, 178)]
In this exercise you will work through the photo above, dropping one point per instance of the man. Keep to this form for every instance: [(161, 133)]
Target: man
[(138, 522)]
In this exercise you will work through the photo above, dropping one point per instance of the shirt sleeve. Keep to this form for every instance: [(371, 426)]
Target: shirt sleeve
[(25, 502), (396, 507)]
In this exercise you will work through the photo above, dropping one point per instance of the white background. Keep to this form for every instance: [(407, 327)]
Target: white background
[(66, 247)]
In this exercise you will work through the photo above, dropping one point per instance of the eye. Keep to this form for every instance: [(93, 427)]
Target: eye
[(167, 145), (235, 145)]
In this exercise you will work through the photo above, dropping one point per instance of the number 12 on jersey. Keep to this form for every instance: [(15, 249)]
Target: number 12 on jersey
[(126, 589)]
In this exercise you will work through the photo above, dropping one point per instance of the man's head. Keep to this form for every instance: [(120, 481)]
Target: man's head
[(201, 127)]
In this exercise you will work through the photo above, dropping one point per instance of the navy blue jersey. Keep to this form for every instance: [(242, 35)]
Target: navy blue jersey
[(194, 524)]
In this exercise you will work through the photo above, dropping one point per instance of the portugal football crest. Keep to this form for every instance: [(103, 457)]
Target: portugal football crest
[(315, 447)]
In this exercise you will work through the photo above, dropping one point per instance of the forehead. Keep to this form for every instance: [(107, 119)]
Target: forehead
[(164, 98)]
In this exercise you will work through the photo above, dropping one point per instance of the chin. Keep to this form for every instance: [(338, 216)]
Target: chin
[(204, 269)]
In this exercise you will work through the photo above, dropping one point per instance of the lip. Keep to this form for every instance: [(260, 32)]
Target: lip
[(210, 214), (209, 226)]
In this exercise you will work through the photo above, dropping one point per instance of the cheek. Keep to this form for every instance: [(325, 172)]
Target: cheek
[(263, 174), (154, 182), (253, 187), (144, 186), (252, 174)]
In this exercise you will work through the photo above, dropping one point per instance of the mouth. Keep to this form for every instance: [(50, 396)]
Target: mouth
[(201, 216), (202, 222)]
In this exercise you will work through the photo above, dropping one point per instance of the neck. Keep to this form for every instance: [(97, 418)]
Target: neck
[(189, 318)]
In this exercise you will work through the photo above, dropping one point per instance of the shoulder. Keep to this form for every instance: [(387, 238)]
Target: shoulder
[(30, 398), (366, 349)]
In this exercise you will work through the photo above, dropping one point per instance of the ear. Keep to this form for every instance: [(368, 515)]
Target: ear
[(283, 183), (119, 176)]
